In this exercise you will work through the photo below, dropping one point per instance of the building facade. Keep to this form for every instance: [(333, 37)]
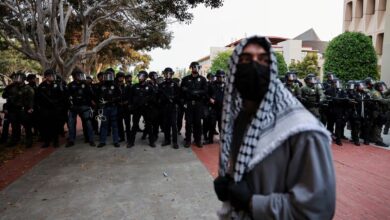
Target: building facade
[(369, 17), (293, 50)]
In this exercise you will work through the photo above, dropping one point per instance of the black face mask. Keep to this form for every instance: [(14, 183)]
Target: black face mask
[(252, 80)]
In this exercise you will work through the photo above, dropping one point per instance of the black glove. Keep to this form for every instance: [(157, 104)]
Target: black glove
[(221, 187), (240, 195)]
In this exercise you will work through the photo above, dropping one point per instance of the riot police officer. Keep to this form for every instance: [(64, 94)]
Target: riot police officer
[(123, 108), (20, 103), (208, 129), (329, 80), (359, 116), (338, 104), (292, 85), (154, 113), (140, 102), (95, 88), (80, 104), (108, 96), (50, 94), (378, 113), (312, 96), (169, 98), (193, 88), (216, 100)]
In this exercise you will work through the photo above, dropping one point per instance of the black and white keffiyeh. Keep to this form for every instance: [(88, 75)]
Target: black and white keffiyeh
[(279, 116)]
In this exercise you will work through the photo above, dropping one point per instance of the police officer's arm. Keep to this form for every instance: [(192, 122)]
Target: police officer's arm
[(298, 92), (29, 97), (321, 95)]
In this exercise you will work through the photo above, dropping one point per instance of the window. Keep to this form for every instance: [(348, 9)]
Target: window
[(359, 9), (370, 7), (382, 5), (379, 43), (348, 12)]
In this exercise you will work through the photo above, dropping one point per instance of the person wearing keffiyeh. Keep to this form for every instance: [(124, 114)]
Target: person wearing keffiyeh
[(275, 160)]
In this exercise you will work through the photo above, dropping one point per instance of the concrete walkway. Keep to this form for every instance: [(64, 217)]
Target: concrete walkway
[(84, 182)]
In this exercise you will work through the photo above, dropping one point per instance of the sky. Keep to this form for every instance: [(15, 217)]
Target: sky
[(239, 18)]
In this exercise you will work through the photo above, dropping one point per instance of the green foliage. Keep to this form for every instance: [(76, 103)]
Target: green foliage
[(282, 66), (221, 61), (308, 65), (351, 56), (13, 61)]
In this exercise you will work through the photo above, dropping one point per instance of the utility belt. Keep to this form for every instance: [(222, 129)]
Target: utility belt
[(194, 102), (15, 108)]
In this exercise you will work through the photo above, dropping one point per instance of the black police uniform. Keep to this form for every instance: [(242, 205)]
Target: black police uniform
[(194, 89), (108, 96), (49, 98), (20, 98), (80, 100), (218, 89), (140, 102), (338, 103), (169, 98)]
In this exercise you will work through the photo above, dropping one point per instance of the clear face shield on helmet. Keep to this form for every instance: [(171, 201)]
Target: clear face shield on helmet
[(311, 81), (168, 74), (80, 77), (195, 68), (360, 86), (18, 78), (351, 86), (108, 77), (141, 77), (337, 84)]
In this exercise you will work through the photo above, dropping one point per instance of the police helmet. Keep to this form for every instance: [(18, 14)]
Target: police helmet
[(209, 76), (31, 77), (19, 77), (78, 74), (311, 79), (153, 75), (168, 70), (142, 75), (369, 82), (291, 76), (330, 76), (380, 86), (120, 74), (195, 65), (220, 73), (109, 75), (50, 73), (359, 85), (336, 83)]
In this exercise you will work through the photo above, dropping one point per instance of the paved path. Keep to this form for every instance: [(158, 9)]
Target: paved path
[(110, 183)]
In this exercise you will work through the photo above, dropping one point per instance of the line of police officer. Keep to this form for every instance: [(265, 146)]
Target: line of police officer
[(114, 107), (362, 105)]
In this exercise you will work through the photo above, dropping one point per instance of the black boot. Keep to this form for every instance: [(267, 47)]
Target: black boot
[(187, 144), (338, 142), (380, 143), (175, 146), (69, 144), (165, 143)]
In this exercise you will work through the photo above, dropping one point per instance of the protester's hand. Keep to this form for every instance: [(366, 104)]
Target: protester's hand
[(212, 101), (240, 195), (221, 187), (30, 111)]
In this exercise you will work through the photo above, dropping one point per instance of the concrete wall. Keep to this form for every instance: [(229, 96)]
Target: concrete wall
[(385, 70), (292, 50)]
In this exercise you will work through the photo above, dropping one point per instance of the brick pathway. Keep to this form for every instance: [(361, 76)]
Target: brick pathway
[(362, 175)]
